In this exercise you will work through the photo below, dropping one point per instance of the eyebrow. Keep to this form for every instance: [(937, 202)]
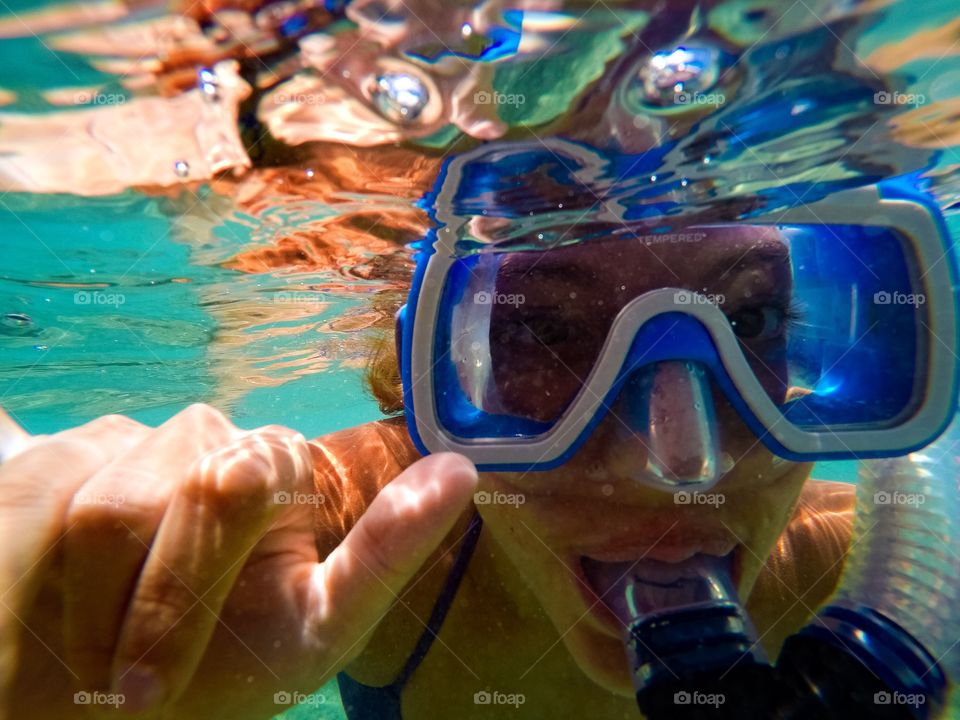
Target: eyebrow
[(546, 266), (757, 255), (550, 266)]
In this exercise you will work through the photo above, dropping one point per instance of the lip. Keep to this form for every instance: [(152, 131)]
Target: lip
[(601, 617)]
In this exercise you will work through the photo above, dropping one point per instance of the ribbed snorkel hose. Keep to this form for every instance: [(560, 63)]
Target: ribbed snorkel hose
[(888, 640)]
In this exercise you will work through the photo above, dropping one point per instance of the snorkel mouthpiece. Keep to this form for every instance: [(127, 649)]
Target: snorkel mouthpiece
[(668, 407), (686, 635)]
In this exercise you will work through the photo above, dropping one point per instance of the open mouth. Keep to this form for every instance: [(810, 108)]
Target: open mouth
[(619, 592)]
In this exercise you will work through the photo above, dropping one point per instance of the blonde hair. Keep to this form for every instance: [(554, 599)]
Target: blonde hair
[(381, 375)]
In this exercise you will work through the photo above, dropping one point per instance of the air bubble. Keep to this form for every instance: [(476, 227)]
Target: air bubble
[(181, 168), (16, 320), (668, 76), (400, 97), (208, 84)]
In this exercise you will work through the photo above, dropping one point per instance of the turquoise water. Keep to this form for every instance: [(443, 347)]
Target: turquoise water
[(122, 304), (156, 351)]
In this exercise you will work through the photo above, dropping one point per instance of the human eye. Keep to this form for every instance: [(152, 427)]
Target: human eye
[(765, 321)]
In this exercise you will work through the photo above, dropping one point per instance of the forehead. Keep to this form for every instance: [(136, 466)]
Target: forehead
[(690, 254)]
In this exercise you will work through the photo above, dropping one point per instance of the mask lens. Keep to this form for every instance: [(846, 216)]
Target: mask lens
[(826, 317)]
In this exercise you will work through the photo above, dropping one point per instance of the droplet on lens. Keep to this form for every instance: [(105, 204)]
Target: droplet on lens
[(208, 84), (400, 97), (670, 77)]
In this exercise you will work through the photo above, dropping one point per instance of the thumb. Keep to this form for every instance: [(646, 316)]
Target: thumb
[(355, 586)]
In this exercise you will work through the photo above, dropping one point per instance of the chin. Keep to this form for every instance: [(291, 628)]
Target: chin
[(601, 658)]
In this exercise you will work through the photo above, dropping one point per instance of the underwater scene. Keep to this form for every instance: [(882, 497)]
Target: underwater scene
[(504, 358)]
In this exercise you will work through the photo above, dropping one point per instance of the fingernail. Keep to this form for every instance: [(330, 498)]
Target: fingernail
[(141, 689)]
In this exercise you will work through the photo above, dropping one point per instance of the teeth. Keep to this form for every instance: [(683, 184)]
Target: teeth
[(637, 588)]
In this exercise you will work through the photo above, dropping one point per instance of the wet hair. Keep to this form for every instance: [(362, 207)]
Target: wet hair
[(381, 376)]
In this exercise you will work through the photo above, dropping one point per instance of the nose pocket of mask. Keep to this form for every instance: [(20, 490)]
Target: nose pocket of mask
[(667, 409)]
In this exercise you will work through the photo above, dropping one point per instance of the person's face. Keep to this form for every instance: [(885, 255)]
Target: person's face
[(592, 506)]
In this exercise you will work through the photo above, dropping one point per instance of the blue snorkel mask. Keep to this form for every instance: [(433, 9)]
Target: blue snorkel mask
[(831, 328)]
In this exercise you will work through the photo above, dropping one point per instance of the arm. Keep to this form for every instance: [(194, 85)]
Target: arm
[(161, 564), (350, 468)]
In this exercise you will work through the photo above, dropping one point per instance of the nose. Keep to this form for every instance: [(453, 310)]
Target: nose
[(666, 412)]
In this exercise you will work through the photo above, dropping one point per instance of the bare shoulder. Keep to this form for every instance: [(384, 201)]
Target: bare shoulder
[(350, 467)]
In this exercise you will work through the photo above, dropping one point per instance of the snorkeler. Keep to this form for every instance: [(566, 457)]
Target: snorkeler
[(644, 407)]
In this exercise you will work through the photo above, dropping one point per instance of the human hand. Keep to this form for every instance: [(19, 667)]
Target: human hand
[(158, 564)]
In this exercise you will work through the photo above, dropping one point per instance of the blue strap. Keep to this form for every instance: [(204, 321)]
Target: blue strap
[(444, 601), (363, 702)]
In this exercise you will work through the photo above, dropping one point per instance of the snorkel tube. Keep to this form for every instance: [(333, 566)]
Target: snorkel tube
[(886, 641), (882, 648)]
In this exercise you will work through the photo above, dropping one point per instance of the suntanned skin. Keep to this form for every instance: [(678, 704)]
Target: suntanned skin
[(498, 634), (525, 620), (519, 623), (198, 491)]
